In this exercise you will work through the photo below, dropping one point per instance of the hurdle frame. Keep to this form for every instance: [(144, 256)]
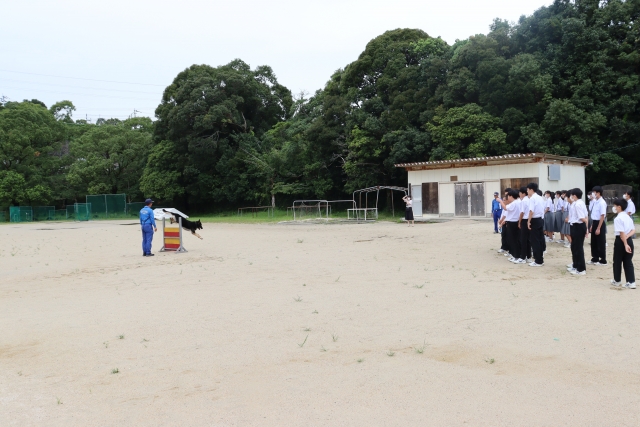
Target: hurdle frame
[(181, 248)]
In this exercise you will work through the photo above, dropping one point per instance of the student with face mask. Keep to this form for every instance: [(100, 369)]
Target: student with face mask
[(566, 227), (631, 207), (578, 218), (549, 211), (512, 207), (557, 216), (598, 229), (623, 247)]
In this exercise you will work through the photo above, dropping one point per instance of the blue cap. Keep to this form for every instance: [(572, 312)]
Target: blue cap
[(146, 202)]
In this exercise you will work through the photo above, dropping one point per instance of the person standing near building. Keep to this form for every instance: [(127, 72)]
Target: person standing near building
[(148, 225), (549, 211), (631, 207), (408, 212), (578, 219), (536, 224), (496, 211), (513, 214), (525, 243), (623, 246), (502, 224), (598, 229)]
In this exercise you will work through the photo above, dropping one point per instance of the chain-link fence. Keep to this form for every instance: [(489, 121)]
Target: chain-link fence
[(82, 211), (105, 206), (133, 209), (43, 213), (4, 215), (21, 213)]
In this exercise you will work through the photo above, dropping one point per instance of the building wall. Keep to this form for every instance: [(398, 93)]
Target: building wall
[(571, 177)]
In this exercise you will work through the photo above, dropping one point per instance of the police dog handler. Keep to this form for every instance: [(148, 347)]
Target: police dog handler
[(148, 225)]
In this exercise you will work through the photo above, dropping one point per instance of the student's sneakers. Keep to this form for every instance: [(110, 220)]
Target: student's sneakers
[(567, 245), (569, 265), (534, 264), (592, 262), (528, 260), (508, 254), (520, 261), (559, 241), (578, 273), (501, 251), (600, 263), (614, 283), (630, 285)]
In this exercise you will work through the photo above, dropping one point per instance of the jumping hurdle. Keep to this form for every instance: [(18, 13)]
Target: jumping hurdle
[(171, 233)]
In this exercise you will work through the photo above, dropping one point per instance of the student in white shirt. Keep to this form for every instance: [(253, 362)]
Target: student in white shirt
[(525, 245), (598, 229), (549, 210), (566, 228), (578, 218), (535, 223), (623, 247), (564, 208), (408, 212), (631, 207), (502, 226), (591, 197), (513, 214)]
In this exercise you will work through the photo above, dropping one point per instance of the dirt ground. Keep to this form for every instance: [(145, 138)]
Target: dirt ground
[(315, 325)]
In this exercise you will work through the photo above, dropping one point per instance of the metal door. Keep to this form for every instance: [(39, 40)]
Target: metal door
[(462, 199), (416, 198), (477, 199)]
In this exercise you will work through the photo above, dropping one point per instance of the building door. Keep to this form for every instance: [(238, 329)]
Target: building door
[(477, 198), (469, 199), (416, 198), (430, 198), (462, 199)]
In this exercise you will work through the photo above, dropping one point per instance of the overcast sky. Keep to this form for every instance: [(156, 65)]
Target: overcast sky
[(112, 57)]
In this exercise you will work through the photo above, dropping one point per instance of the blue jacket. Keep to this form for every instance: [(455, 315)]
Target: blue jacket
[(495, 206), (146, 217)]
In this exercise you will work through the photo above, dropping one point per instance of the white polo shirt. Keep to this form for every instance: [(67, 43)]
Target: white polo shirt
[(599, 209), (631, 207), (513, 211), (623, 223), (536, 205), (561, 205), (577, 211), (524, 207), (548, 204)]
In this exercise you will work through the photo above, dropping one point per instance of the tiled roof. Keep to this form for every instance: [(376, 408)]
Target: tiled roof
[(494, 158)]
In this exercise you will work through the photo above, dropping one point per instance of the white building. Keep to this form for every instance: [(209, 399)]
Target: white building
[(463, 188)]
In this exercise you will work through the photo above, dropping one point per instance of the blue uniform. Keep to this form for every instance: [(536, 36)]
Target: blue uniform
[(147, 223), (496, 210)]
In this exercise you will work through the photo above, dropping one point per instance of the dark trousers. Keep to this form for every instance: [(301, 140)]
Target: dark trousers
[(496, 216), (514, 238), (599, 243), (505, 238), (525, 243), (622, 258), (537, 239), (578, 234)]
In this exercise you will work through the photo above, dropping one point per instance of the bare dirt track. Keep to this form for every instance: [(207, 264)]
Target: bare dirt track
[(315, 325)]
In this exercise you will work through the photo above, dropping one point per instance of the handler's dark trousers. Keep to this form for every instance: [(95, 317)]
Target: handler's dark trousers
[(514, 238), (496, 216), (578, 234), (622, 258), (537, 239), (505, 238), (147, 238), (599, 243), (525, 243)]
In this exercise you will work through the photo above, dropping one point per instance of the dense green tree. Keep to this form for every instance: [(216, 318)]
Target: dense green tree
[(109, 158), (206, 114)]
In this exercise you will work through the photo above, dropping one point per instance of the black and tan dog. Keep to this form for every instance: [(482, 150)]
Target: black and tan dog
[(192, 226)]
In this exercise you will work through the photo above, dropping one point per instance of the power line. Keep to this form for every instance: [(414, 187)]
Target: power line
[(81, 94), (80, 78), (79, 87)]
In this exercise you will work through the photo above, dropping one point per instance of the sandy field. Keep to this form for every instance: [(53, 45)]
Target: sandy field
[(308, 325)]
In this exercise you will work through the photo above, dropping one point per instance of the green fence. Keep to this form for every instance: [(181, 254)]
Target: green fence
[(82, 211), (21, 213), (105, 206), (133, 209), (3, 216), (62, 214), (43, 213)]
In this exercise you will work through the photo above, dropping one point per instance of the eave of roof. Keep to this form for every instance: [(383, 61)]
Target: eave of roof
[(495, 160)]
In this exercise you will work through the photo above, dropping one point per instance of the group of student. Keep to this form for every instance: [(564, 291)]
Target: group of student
[(528, 220)]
